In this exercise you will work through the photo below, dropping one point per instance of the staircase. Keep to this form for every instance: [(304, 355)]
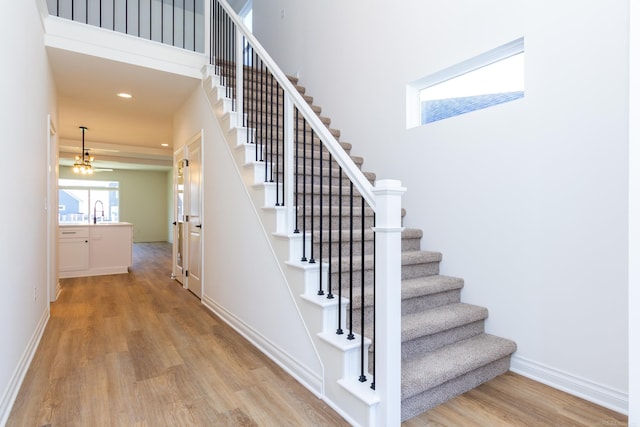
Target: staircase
[(445, 350)]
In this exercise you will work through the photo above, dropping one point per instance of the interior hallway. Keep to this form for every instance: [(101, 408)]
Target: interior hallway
[(138, 350)]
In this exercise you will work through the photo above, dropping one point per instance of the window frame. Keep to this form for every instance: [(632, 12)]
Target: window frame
[(89, 185), (414, 104)]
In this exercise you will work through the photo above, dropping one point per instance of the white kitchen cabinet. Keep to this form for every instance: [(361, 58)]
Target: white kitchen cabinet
[(94, 250), (74, 249)]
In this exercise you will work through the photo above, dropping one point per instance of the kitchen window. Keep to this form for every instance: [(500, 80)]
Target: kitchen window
[(88, 201)]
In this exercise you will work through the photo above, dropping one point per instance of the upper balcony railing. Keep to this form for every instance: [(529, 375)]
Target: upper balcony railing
[(178, 23)]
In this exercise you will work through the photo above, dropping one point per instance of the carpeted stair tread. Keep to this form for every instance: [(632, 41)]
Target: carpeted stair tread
[(428, 285), (407, 258), (440, 319), (407, 233), (335, 211), (431, 369)]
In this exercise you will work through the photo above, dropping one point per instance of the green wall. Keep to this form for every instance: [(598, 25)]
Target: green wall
[(144, 200)]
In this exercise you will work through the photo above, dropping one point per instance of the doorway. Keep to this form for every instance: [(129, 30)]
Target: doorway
[(53, 284), (187, 242)]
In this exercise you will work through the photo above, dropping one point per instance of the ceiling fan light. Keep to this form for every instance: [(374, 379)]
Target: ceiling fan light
[(83, 163)]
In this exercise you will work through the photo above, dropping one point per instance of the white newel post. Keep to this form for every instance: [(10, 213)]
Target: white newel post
[(388, 196), (239, 47)]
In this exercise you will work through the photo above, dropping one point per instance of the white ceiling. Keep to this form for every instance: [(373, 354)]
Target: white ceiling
[(120, 131)]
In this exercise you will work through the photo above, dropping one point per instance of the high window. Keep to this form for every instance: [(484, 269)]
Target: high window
[(80, 200), (492, 78)]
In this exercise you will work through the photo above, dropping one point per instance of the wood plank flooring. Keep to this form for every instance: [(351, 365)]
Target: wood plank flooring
[(513, 400), (138, 350)]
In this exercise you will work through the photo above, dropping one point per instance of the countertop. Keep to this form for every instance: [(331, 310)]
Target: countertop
[(99, 224)]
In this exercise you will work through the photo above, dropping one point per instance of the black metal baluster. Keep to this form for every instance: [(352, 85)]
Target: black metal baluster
[(271, 150), (320, 289), (254, 99), (278, 133), (224, 52), (233, 64), (113, 15), (184, 22), (138, 18), (173, 22), (281, 94), (100, 14), (86, 12), (363, 377), (72, 10), (350, 336), (304, 190), (261, 116), (246, 87), (126, 16), (330, 215), (339, 331), (228, 58), (373, 371), (213, 6), (297, 202), (151, 20), (194, 25), (313, 194), (258, 95)]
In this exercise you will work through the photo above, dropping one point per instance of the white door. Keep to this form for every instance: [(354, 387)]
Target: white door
[(194, 224), (179, 241)]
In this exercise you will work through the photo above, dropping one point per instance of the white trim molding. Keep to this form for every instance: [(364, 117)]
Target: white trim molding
[(600, 394), (11, 393), (309, 379)]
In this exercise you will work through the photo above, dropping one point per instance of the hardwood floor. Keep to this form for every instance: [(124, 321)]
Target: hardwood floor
[(138, 350), (513, 400)]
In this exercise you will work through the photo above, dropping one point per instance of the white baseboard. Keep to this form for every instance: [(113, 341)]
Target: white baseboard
[(309, 379), (9, 397), (593, 392)]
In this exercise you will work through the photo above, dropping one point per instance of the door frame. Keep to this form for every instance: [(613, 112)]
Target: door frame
[(197, 141), (53, 280), (183, 153), (178, 238)]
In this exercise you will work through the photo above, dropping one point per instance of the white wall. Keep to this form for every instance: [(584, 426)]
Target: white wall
[(241, 278), (528, 200), (634, 216), (28, 96)]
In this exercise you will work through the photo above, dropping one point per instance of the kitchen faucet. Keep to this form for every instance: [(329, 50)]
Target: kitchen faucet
[(94, 210)]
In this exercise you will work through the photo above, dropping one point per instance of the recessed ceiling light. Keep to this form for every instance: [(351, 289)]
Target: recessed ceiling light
[(165, 145), (125, 95)]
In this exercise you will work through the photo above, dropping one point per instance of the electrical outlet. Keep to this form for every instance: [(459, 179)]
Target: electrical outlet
[(35, 293), (282, 14)]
